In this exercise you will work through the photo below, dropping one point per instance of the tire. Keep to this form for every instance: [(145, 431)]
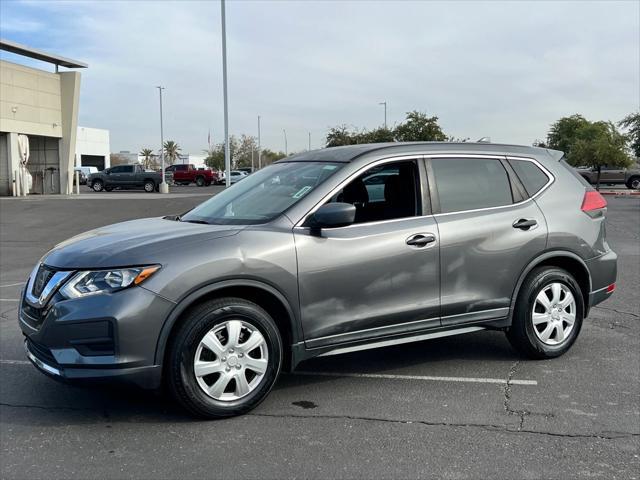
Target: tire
[(634, 183), (149, 186), (97, 186), (200, 181), (528, 338), (213, 320)]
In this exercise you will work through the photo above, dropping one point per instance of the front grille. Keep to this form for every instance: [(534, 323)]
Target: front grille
[(41, 352), (42, 278)]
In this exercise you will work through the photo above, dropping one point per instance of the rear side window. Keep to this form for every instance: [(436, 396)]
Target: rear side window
[(471, 183), (530, 175)]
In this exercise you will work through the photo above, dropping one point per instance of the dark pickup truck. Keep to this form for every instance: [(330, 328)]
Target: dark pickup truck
[(187, 173), (612, 175), (125, 177)]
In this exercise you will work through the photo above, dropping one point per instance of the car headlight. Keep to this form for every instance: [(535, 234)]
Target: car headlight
[(93, 282)]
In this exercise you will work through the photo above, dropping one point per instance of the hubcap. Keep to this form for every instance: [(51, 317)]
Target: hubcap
[(231, 360), (554, 314)]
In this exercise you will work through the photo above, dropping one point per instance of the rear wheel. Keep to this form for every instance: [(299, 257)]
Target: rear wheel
[(225, 358), (548, 314), (97, 185), (149, 186), (634, 183), (200, 181)]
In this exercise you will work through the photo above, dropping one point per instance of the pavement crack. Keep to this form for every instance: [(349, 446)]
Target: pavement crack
[(483, 426), (622, 312), (521, 414)]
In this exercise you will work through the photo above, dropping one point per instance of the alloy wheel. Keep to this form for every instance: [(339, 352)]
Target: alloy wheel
[(231, 360), (554, 313)]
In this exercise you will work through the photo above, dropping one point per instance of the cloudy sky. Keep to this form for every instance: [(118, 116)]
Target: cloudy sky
[(499, 69)]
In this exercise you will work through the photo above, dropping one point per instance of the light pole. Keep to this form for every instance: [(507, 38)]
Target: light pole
[(259, 147), (385, 113), (227, 155), (164, 188), (309, 141), (286, 153)]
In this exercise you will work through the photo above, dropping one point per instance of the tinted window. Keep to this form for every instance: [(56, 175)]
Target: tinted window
[(384, 192), (264, 195), (180, 168), (471, 183), (530, 175), (122, 169)]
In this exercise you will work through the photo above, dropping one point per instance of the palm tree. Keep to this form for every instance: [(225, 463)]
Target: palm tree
[(171, 151), (147, 154)]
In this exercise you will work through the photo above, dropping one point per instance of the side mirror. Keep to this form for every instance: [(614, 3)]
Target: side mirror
[(333, 215)]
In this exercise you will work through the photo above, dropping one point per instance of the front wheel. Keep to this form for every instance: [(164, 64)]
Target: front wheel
[(97, 186), (225, 358), (548, 314)]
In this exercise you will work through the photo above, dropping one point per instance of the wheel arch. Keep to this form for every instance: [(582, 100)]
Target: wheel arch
[(564, 259), (264, 295)]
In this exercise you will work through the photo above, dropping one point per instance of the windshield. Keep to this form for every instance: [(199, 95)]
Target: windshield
[(262, 196)]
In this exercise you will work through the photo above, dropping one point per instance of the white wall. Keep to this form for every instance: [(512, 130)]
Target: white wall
[(92, 141)]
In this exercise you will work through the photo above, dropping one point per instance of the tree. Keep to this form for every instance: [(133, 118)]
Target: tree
[(564, 133), (379, 135), (597, 144), (269, 156), (148, 159), (418, 127), (171, 151), (215, 156), (246, 150), (632, 123), (340, 135)]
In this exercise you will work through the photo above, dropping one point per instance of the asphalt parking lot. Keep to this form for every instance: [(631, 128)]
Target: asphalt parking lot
[(460, 407)]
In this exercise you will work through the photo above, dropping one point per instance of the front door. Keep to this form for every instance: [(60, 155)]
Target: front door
[(378, 276), (487, 236)]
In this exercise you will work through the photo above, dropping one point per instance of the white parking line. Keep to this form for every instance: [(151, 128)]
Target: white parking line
[(14, 362), (429, 378), (12, 284)]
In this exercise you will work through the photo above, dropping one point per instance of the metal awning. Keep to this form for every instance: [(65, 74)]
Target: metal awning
[(57, 60)]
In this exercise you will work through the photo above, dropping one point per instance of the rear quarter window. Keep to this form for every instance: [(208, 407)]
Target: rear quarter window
[(531, 176)]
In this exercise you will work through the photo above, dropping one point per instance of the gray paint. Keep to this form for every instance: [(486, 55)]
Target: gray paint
[(349, 286)]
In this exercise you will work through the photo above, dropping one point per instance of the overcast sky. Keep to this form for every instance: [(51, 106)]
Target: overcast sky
[(499, 69)]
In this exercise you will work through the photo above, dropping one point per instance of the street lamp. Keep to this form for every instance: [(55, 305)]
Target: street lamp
[(259, 148), (385, 113), (286, 153), (163, 188), (227, 155), (309, 141)]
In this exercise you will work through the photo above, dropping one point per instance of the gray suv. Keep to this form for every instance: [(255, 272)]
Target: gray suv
[(311, 256)]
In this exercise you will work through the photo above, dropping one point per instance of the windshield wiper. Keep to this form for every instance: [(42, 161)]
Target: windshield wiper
[(202, 222)]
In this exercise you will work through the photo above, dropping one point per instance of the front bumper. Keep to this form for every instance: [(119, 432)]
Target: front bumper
[(101, 337)]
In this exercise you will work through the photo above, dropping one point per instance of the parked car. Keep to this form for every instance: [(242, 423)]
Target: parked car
[(82, 178), (236, 176), (296, 262), (125, 177), (612, 175), (85, 172), (187, 173)]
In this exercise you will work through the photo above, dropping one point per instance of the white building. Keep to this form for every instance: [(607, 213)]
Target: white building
[(92, 148), (43, 107)]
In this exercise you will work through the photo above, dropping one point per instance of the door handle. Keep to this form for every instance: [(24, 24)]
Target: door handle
[(420, 240), (524, 224)]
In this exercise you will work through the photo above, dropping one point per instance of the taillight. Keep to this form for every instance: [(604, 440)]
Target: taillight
[(592, 201)]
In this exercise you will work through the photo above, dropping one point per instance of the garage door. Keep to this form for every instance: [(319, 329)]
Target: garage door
[(5, 178), (92, 161)]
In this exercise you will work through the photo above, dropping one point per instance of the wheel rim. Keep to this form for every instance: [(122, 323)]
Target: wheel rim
[(231, 360), (148, 187), (635, 183), (554, 314), (97, 186)]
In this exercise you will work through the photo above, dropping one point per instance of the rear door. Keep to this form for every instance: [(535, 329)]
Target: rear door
[(612, 174), (489, 231), (119, 175)]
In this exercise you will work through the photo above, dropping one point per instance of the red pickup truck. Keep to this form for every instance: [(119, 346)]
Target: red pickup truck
[(187, 173)]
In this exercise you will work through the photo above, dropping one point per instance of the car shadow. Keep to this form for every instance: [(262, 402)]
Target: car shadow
[(37, 400)]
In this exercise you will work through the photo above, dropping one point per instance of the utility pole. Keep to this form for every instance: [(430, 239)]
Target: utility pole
[(385, 113), (285, 142), (164, 188), (259, 147), (309, 141), (227, 154)]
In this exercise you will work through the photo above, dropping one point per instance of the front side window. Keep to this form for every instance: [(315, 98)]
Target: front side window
[(384, 192), (530, 175), (121, 169), (471, 183), (264, 195)]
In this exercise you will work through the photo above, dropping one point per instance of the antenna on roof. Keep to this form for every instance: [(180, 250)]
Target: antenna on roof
[(484, 140)]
